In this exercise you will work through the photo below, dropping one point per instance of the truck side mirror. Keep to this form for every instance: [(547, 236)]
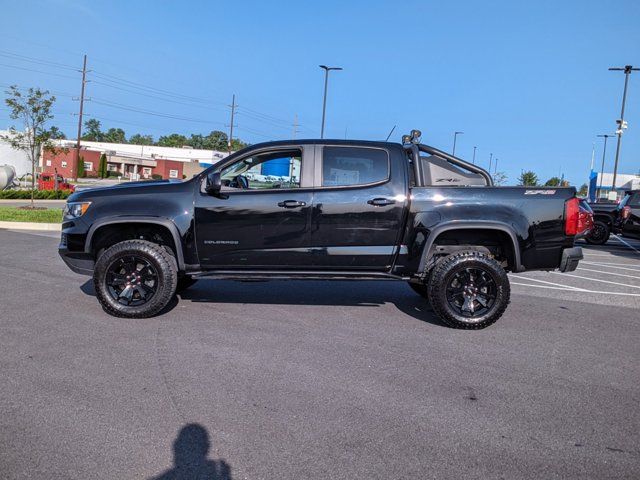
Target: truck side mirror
[(213, 185)]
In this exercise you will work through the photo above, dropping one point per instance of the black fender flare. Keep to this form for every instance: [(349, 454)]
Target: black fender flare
[(165, 222), (472, 224)]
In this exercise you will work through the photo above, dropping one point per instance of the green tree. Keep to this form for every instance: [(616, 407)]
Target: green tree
[(499, 178), (528, 179), (217, 140), (584, 189), (56, 134), (81, 173), (139, 139), (115, 135), (33, 109), (92, 131), (102, 166), (553, 182), (173, 140)]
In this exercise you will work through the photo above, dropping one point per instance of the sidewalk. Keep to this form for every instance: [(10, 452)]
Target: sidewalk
[(59, 204)]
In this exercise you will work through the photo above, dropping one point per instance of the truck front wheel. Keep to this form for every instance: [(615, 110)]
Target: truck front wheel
[(135, 279), (469, 289)]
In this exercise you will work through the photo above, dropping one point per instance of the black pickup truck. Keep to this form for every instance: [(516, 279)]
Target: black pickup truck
[(324, 209), (611, 217)]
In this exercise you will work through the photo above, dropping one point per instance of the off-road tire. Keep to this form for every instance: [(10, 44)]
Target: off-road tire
[(184, 282), (602, 233), (163, 262), (444, 272)]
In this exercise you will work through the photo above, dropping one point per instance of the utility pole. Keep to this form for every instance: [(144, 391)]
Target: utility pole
[(455, 135), (324, 101), (604, 153), (474, 155), (495, 167), (233, 111), (295, 125), (627, 69), (84, 81)]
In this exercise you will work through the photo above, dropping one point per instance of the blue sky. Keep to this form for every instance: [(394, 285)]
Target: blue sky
[(526, 81)]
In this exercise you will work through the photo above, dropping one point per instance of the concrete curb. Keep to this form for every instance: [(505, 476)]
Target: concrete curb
[(47, 227)]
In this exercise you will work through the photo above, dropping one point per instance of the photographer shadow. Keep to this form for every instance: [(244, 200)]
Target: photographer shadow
[(190, 451)]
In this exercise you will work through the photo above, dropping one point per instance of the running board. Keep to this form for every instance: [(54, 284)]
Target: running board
[(295, 275)]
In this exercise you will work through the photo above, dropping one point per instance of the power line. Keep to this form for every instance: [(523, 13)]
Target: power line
[(150, 112), (25, 58), (37, 71)]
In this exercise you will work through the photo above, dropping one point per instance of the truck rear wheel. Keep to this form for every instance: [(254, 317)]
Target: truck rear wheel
[(135, 279), (599, 234), (469, 289)]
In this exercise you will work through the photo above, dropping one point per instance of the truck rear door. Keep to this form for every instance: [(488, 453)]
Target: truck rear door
[(358, 209)]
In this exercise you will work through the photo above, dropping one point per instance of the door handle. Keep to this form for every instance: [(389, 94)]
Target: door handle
[(381, 202), (291, 204)]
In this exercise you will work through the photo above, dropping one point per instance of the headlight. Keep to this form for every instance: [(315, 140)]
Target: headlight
[(76, 209)]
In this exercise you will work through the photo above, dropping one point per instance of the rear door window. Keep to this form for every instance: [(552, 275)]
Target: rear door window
[(352, 166)]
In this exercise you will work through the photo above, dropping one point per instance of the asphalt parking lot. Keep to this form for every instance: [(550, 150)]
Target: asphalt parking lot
[(304, 380)]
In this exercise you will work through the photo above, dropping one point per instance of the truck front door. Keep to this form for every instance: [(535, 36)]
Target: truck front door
[(264, 220), (358, 208)]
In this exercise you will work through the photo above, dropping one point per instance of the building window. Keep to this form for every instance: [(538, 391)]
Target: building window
[(64, 164), (146, 172), (88, 166), (173, 173), (48, 163), (112, 167)]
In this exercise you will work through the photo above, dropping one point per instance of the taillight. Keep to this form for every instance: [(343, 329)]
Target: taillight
[(626, 212), (571, 213)]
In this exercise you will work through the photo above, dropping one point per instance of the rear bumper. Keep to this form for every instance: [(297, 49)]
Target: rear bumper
[(570, 258)]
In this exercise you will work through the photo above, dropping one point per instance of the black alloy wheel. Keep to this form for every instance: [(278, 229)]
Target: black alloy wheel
[(471, 292), (599, 234), (132, 280)]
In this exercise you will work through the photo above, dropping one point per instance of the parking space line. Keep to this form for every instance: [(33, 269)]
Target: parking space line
[(597, 280), (567, 287), (579, 291), (610, 273), (627, 244), (613, 265)]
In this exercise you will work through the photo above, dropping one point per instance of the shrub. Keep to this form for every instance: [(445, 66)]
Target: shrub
[(156, 176), (37, 194)]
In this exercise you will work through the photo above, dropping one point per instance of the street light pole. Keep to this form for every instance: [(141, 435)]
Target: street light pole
[(474, 155), (455, 135), (324, 101), (627, 69), (604, 153), (490, 160)]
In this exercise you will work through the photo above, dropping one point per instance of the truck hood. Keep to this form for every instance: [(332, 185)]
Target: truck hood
[(127, 188)]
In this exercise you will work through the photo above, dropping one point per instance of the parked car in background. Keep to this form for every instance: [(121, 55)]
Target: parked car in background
[(628, 222), (605, 219)]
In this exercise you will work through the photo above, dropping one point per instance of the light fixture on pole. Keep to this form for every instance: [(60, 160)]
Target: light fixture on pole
[(622, 125), (324, 101), (455, 136)]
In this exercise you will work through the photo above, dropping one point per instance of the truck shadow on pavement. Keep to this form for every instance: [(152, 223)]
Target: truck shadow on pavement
[(312, 292), (303, 292), (190, 451)]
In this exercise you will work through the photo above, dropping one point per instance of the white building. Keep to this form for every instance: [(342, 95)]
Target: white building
[(18, 159)]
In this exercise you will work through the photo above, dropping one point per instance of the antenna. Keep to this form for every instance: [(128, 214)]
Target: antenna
[(388, 136)]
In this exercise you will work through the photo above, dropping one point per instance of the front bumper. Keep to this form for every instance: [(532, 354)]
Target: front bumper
[(79, 262), (570, 258)]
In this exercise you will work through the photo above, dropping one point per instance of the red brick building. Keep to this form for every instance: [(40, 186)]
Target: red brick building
[(125, 166)]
